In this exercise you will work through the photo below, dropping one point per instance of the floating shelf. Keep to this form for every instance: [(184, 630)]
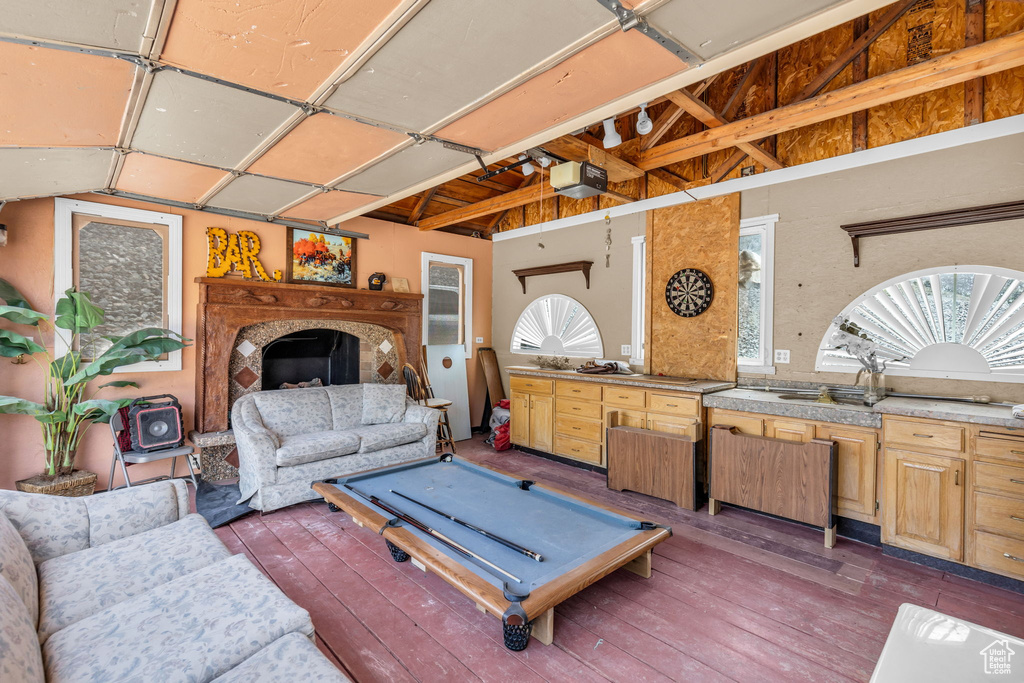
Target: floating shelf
[(570, 267)]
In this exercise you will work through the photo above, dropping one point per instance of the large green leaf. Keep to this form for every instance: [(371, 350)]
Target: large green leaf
[(13, 405), (100, 410), (77, 313), (66, 365), (120, 383), (21, 316), (13, 344), (146, 344), (12, 296)]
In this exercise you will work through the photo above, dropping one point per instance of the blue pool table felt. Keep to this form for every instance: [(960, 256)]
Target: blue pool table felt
[(565, 531)]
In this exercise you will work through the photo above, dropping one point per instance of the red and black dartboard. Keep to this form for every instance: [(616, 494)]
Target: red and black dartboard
[(689, 292)]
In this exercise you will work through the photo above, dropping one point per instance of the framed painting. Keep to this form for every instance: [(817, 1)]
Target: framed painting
[(320, 258)]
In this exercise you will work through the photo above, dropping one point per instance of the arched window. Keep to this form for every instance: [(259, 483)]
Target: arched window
[(557, 325), (955, 322)]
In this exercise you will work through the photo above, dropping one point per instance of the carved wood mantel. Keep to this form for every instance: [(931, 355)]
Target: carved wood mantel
[(228, 305)]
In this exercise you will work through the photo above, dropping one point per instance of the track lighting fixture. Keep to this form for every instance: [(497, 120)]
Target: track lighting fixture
[(527, 167), (611, 136), (644, 125)]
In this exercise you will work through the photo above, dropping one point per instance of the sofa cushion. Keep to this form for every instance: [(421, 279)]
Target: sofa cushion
[(150, 506), (301, 448), (50, 525), (75, 586), (383, 403), (346, 404), (193, 628), (373, 438), (291, 658), (20, 658), (288, 412), (17, 567)]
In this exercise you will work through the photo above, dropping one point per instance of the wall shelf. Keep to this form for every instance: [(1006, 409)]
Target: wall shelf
[(569, 267)]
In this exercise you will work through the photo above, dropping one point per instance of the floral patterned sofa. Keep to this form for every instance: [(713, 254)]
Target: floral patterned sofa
[(127, 586), (290, 438)]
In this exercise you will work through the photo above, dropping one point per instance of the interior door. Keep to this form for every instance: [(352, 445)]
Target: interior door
[(446, 368)]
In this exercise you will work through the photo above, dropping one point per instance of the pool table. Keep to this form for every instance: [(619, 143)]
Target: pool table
[(578, 541)]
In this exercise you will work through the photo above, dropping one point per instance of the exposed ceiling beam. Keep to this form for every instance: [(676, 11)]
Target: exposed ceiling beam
[(421, 205), (669, 178), (990, 57), (527, 180), (509, 200), (746, 82), (575, 149), (709, 118), (619, 197)]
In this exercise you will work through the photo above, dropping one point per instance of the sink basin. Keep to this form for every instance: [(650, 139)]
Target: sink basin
[(811, 398)]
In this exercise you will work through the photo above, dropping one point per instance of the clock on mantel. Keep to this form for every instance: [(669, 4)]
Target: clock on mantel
[(689, 292)]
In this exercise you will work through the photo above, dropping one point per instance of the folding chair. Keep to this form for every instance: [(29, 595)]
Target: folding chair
[(134, 457)]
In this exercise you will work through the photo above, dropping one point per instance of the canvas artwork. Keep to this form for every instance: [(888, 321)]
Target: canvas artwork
[(321, 258)]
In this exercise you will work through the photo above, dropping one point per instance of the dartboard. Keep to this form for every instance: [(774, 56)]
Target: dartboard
[(689, 292)]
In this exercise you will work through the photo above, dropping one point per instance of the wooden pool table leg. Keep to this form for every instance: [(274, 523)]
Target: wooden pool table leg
[(544, 627), (641, 566)]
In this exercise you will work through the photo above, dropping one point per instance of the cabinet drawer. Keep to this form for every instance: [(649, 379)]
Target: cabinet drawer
[(999, 554), (1005, 478), (627, 398), (674, 405), (578, 450), (684, 426), (999, 514), (744, 424), (1010, 450), (567, 406), (578, 390), (531, 385), (921, 435), (579, 428)]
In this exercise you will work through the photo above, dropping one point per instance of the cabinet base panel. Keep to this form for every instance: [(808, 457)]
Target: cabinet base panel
[(565, 461), (997, 580)]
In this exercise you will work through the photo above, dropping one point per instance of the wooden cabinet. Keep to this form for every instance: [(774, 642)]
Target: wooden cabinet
[(519, 419), (995, 536), (924, 503), (532, 413), (745, 423), (856, 468), (541, 414), (789, 430)]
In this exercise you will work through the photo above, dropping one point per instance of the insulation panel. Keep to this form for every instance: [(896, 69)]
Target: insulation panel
[(328, 205), (53, 98), (611, 68), (196, 120), (709, 29), (33, 172), (443, 60), (288, 48), (112, 24), (406, 168), (324, 147), (257, 194), (166, 178)]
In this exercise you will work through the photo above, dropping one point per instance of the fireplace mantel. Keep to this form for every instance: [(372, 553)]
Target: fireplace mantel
[(227, 305)]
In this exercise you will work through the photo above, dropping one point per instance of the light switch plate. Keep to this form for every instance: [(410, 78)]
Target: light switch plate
[(627, 349), (781, 355), (479, 340)]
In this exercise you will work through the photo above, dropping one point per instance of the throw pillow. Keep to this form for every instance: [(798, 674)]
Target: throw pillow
[(383, 403)]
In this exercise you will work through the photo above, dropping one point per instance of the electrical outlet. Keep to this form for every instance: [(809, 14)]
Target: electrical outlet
[(479, 340), (627, 349), (781, 355)]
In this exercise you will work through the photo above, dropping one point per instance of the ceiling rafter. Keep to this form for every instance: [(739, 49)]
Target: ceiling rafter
[(671, 115), (998, 54), (500, 216), (746, 82), (421, 205)]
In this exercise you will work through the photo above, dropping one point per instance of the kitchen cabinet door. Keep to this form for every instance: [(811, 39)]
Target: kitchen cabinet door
[(924, 503)]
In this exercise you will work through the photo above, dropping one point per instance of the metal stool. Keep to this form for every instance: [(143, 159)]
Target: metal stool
[(414, 388), (133, 457)]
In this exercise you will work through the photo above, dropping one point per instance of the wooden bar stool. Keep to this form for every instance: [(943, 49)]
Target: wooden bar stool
[(414, 388)]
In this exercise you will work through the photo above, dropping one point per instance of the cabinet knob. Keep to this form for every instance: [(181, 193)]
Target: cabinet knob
[(956, 477)]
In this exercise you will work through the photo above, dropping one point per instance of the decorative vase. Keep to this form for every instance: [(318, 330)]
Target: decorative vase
[(78, 483)]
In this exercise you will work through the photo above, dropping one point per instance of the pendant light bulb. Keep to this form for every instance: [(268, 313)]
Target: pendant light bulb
[(527, 168), (611, 136), (644, 125)]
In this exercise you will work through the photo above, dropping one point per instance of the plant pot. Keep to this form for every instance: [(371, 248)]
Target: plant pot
[(78, 483)]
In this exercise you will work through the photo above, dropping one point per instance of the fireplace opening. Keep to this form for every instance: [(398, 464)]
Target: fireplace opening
[(332, 356)]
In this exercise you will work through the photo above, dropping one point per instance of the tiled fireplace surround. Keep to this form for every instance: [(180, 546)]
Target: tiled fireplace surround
[(238, 318)]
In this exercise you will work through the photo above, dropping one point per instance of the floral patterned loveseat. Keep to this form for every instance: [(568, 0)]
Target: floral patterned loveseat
[(127, 586), (290, 438)]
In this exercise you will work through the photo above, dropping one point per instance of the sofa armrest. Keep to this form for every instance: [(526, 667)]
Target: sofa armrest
[(53, 526), (414, 412)]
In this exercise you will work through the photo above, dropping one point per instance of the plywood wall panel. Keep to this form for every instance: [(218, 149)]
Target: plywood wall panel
[(539, 212), (567, 206), (799, 64), (931, 28), (631, 188), (702, 235), (1004, 91)]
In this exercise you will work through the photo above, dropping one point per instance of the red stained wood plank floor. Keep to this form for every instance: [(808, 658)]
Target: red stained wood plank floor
[(735, 597)]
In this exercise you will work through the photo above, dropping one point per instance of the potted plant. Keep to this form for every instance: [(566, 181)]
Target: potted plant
[(70, 408)]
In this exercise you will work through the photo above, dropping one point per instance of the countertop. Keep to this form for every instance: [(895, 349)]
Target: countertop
[(697, 386), (759, 401)]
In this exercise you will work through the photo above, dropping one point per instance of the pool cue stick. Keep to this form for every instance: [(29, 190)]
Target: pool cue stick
[(433, 532), (483, 532)]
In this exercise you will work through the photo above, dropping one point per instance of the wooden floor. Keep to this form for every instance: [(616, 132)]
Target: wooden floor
[(735, 597)]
